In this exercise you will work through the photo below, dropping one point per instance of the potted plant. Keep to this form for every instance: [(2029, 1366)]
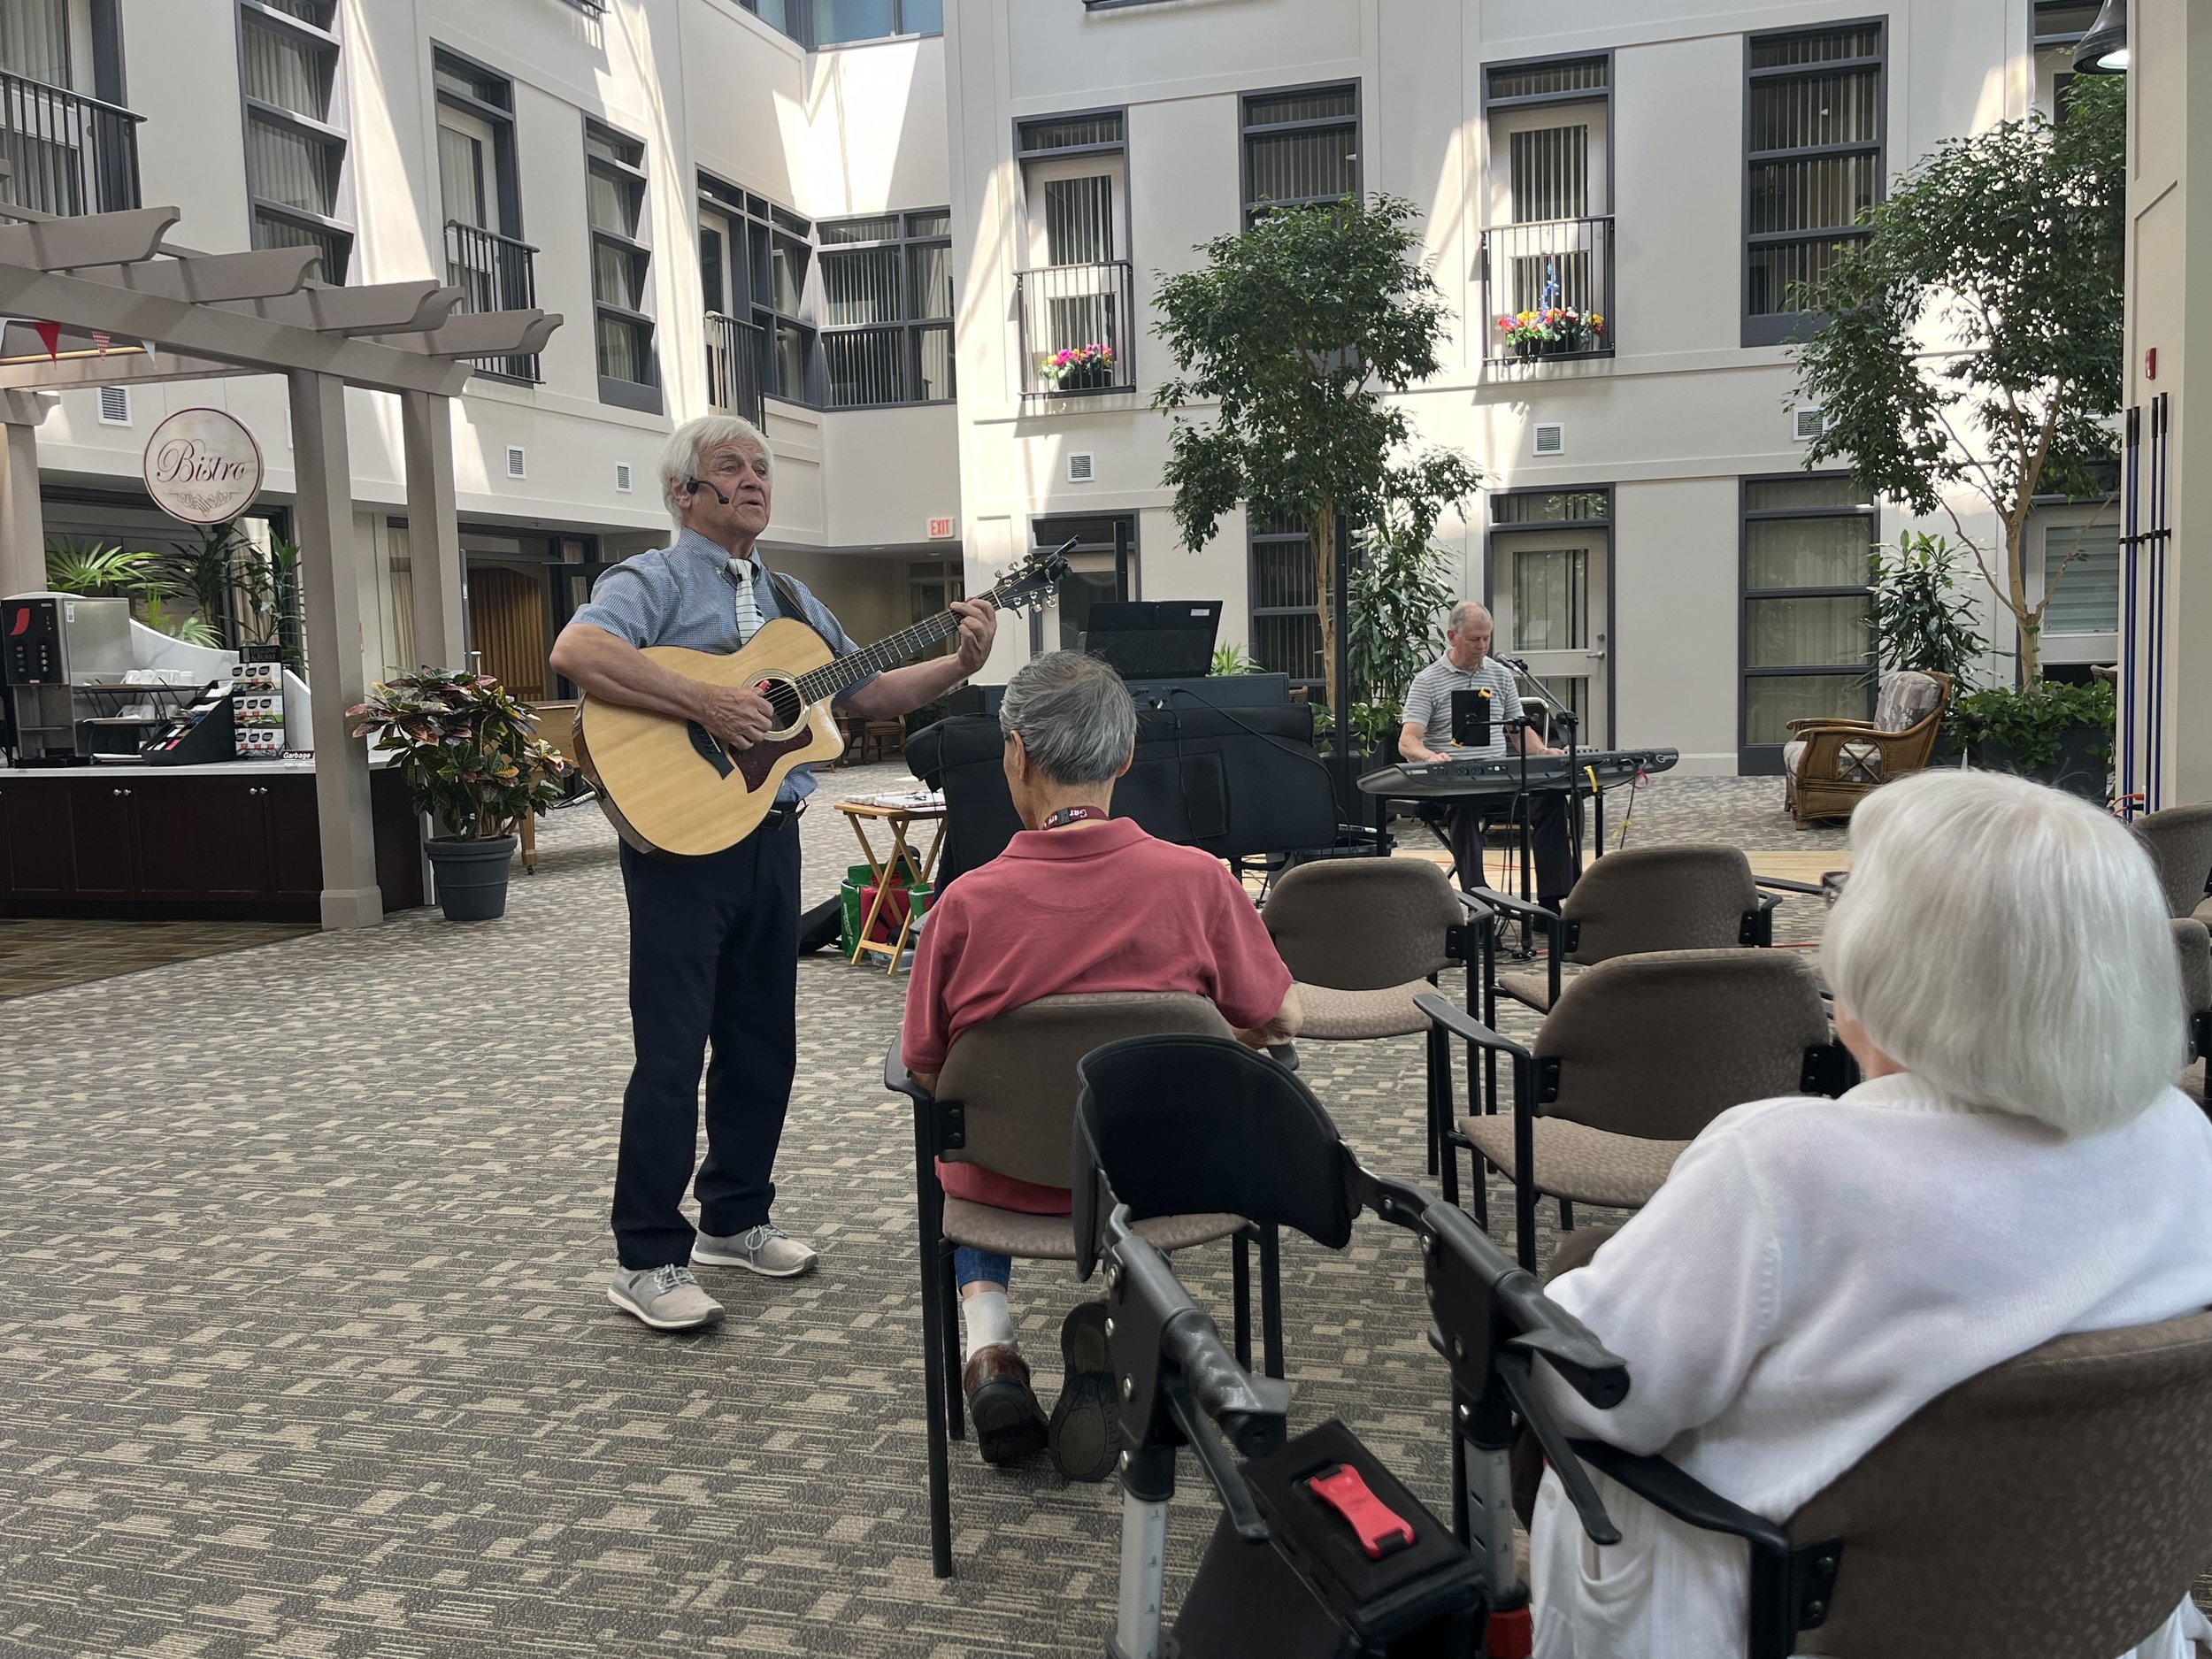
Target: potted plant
[(1922, 621), (1079, 368), (1552, 331), (2047, 731), (466, 750)]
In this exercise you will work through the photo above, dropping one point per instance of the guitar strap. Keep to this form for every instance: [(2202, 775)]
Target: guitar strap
[(788, 603)]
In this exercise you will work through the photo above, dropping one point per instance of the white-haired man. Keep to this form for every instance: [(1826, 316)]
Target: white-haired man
[(713, 951), (1467, 665)]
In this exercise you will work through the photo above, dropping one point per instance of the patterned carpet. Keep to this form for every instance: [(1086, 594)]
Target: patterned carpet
[(305, 1352)]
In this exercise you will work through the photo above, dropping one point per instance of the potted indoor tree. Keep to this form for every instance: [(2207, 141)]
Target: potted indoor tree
[(467, 749)]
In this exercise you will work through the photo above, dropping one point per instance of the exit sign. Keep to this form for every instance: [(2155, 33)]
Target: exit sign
[(940, 529)]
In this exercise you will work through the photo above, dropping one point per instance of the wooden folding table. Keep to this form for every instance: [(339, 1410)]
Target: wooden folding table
[(898, 819)]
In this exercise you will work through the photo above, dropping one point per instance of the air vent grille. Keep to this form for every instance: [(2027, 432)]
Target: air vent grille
[(115, 405), (1081, 468), (622, 476), (1551, 438), (516, 466), (1807, 423)]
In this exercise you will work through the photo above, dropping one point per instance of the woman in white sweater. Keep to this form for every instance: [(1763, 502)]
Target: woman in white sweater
[(2016, 1165)]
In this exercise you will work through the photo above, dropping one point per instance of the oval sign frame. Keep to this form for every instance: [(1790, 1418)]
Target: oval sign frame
[(182, 502)]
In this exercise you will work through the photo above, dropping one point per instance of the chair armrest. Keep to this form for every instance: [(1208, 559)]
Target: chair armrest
[(895, 1077), (1474, 905), (1464, 1024), (1829, 723), (1780, 885), (1792, 1586), (1494, 900)]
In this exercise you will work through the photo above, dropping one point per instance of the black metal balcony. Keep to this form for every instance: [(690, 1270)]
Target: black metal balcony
[(737, 353), (61, 152), (1547, 289), (1078, 322), (495, 273)]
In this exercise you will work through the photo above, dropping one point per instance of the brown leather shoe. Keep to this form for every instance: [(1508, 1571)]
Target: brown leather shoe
[(1009, 1426)]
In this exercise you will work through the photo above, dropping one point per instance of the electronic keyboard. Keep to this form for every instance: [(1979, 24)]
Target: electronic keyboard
[(1497, 777)]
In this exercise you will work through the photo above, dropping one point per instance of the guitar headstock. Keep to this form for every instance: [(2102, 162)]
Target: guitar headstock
[(1035, 580)]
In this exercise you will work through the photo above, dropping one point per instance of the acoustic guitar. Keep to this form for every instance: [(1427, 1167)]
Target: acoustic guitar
[(671, 786)]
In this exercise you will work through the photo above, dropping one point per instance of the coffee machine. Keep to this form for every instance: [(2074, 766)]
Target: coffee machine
[(49, 644)]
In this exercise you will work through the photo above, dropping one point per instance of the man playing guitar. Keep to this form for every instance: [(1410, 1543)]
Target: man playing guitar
[(712, 939)]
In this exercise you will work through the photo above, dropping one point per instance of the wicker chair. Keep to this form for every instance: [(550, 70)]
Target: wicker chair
[(1006, 1101), (2179, 840), (1829, 765), (2054, 1506)]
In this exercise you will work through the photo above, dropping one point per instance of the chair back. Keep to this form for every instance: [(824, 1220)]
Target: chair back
[(2193, 943), (1204, 1126), (1015, 1076), (1661, 1044), (1661, 898), (1362, 924), (1911, 704), (2180, 841), (2054, 1506)]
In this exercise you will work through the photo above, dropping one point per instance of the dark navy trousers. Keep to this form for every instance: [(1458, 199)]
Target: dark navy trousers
[(713, 967), (1552, 852)]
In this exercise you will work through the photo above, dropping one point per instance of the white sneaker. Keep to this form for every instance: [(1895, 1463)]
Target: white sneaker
[(666, 1298), (766, 1249)]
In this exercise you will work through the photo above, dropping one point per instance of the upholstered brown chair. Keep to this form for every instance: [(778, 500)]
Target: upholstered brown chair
[(1640, 1054), (2057, 1506), (2192, 941), (2180, 841), (1828, 765), (1006, 1101), (1362, 938), (1638, 900)]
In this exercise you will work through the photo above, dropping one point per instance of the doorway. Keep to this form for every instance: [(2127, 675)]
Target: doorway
[(1553, 612), (1548, 182)]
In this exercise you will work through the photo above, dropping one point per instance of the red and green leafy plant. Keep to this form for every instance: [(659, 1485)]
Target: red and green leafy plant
[(467, 749)]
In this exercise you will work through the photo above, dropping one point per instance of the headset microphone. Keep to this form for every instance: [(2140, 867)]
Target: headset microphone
[(697, 484)]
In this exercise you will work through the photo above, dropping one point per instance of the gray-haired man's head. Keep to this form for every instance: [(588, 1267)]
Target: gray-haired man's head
[(1073, 716)]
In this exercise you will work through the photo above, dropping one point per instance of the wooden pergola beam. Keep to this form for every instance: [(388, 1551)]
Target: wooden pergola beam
[(264, 274), (115, 368), (492, 334), (221, 333), (386, 308), (98, 239)]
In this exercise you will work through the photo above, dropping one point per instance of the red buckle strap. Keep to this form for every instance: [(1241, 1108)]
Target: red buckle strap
[(1381, 1529)]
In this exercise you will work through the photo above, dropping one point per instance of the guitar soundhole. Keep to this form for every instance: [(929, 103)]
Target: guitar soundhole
[(783, 698)]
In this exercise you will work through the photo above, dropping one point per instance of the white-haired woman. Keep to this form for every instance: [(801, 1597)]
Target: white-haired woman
[(2016, 1165)]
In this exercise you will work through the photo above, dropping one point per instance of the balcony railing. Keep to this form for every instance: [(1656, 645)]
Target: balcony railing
[(1073, 308), (1554, 264), (737, 352), (61, 152), (494, 273)]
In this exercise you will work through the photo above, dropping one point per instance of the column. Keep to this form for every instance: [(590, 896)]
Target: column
[(326, 536), (22, 523), (2167, 665), (434, 535)]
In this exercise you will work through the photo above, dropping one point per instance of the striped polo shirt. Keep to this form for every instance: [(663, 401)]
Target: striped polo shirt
[(1429, 703)]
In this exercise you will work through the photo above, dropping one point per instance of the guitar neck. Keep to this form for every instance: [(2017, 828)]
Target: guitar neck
[(832, 678)]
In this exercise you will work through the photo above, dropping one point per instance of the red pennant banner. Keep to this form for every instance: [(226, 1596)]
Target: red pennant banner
[(49, 334)]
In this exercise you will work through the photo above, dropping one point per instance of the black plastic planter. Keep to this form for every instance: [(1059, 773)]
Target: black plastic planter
[(472, 876), (2079, 770)]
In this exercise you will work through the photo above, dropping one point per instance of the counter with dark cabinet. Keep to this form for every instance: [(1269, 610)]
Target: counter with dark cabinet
[(236, 840)]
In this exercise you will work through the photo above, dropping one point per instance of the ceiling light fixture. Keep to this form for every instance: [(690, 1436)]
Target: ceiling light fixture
[(2104, 49)]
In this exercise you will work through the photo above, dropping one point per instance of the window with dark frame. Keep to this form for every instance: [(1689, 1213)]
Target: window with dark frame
[(1301, 147), (2058, 27), (1807, 631), (1104, 566), (758, 279), (480, 193), (1074, 285), (886, 308), (816, 23), (1286, 632), (1814, 156), (621, 265), (295, 126)]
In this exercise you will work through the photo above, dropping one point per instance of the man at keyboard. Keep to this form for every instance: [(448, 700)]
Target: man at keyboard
[(1467, 665)]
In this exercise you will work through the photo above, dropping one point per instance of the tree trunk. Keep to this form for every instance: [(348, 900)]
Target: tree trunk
[(1324, 536), (2028, 621)]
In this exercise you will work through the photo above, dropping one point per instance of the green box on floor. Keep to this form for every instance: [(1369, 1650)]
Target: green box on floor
[(850, 907)]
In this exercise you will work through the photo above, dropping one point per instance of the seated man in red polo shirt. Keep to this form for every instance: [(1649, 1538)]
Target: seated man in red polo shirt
[(1078, 901)]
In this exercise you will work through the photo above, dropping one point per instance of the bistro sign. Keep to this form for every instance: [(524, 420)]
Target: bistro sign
[(202, 466)]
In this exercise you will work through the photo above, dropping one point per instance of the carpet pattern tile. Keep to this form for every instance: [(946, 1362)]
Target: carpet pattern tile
[(306, 1355)]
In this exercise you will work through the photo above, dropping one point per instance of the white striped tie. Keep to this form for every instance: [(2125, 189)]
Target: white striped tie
[(749, 616)]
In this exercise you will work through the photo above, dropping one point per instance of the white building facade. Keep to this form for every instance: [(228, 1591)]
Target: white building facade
[(873, 222)]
